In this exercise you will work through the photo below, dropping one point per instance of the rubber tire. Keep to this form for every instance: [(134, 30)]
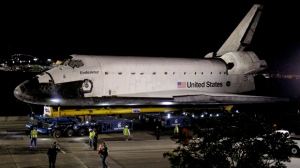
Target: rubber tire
[(57, 134), (70, 133), (81, 132), (295, 150)]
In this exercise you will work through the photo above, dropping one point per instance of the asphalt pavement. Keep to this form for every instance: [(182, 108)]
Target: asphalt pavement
[(143, 150)]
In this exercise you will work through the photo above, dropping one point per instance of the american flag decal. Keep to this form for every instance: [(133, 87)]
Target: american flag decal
[(181, 84)]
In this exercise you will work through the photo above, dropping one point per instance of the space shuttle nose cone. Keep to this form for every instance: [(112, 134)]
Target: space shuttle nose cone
[(25, 91), (17, 92), (20, 91)]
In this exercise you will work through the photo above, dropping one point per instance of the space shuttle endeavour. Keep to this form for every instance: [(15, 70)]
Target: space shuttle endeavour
[(218, 78)]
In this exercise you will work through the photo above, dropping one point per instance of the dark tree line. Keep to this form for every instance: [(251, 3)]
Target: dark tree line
[(231, 141)]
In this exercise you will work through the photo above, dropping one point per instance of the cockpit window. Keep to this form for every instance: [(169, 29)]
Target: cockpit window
[(72, 63), (75, 63)]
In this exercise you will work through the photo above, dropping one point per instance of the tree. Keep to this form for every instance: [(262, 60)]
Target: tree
[(231, 141)]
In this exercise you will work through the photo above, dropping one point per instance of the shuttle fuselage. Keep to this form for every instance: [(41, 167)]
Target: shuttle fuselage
[(90, 80)]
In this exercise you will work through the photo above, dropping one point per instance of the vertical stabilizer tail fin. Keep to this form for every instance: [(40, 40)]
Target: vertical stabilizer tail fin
[(241, 37)]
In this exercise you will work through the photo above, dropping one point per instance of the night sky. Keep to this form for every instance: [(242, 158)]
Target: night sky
[(172, 30)]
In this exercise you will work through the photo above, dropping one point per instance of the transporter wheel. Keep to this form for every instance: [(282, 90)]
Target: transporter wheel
[(57, 134), (295, 150), (70, 132), (81, 132)]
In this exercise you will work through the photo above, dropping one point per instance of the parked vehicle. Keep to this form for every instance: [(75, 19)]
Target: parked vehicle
[(295, 150)]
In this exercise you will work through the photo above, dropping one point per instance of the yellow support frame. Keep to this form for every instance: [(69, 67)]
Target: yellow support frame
[(50, 112)]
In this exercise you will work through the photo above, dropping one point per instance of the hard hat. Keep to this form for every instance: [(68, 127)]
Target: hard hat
[(126, 126), (90, 129)]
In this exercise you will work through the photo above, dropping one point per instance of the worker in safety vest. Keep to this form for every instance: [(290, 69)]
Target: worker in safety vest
[(176, 129), (91, 137), (95, 139), (126, 133), (33, 137)]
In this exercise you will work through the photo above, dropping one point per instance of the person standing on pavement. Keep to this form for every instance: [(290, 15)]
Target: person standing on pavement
[(103, 154), (52, 152), (33, 137), (95, 139), (126, 133), (91, 137), (157, 132), (176, 130)]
